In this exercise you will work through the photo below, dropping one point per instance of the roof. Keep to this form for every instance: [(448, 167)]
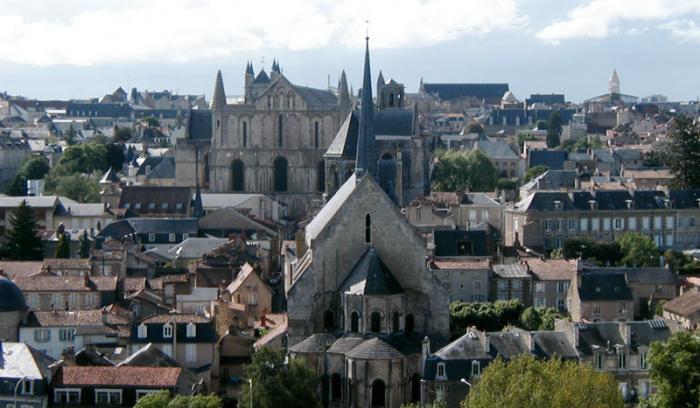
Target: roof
[(685, 198), (553, 159), (200, 124), (511, 271), (82, 264), (604, 287), (52, 283), (316, 343), (386, 123), (20, 360), (552, 269), (149, 356), (496, 149), (71, 318), (461, 264), (370, 276), (246, 271), (449, 242), (80, 209), (642, 275), (125, 376), (346, 343), (176, 318), (110, 110), (195, 247), (685, 305), (156, 199), (316, 97), (319, 222), (458, 91), (159, 167), (34, 202), (594, 336), (20, 268), (374, 349), (123, 228), (11, 297)]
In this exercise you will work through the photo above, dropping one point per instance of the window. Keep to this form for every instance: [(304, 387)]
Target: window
[(27, 387), (191, 330), (561, 304), (643, 360), (632, 223), (42, 335), (151, 237), (621, 307), (441, 370), (396, 321), (143, 393), (561, 224), (151, 206), (164, 206), (66, 395), (142, 331), (621, 359), (516, 284), (502, 284), (410, 323), (646, 223), (167, 330), (368, 229), (237, 175), (572, 224), (657, 222), (539, 302), (606, 224), (596, 308), (191, 352), (185, 236), (476, 368), (619, 223), (56, 301), (280, 166), (583, 223), (670, 222), (548, 225), (90, 300), (66, 334), (105, 396), (376, 322), (595, 224), (178, 206), (137, 206), (328, 320), (279, 131), (539, 287), (316, 135), (73, 301), (171, 237), (562, 287), (354, 322), (33, 300), (245, 134), (321, 177)]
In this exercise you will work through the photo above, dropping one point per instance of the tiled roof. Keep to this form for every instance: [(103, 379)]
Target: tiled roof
[(315, 97), (685, 304), (51, 283), (552, 269), (134, 284), (509, 271), (374, 349), (64, 318), (125, 376), (82, 264), (345, 344), (14, 269), (490, 92), (177, 318), (475, 264), (316, 343)]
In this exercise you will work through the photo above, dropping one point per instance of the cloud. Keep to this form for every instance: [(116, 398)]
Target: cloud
[(88, 32), (600, 18), (683, 30)]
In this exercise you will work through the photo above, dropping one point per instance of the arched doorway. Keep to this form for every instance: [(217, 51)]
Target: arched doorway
[(415, 388), (336, 382), (279, 170), (328, 320), (237, 175), (410, 323), (375, 322), (354, 322), (378, 394)]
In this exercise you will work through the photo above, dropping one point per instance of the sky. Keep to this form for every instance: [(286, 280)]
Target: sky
[(86, 48)]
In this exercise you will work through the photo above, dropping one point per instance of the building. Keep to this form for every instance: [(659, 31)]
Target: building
[(13, 309), (511, 282), (273, 142), (25, 374), (157, 201), (600, 297), (551, 279), (251, 292), (161, 233), (684, 310), (466, 280), (460, 210), (46, 291), (12, 153)]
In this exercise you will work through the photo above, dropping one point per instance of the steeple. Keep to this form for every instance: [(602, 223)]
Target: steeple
[(249, 69), (614, 83), (380, 82), (343, 94), (366, 148), (218, 101), (197, 208)]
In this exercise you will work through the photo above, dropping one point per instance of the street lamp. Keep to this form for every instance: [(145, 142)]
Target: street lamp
[(21, 380), (463, 381)]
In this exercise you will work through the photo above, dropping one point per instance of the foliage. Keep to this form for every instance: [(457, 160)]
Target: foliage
[(122, 134), (684, 152), (35, 167), (554, 130), (63, 246), (581, 145), (435, 404), (83, 188), (84, 245), (277, 385), (70, 135), (530, 319), (461, 171), (506, 184), (18, 186), (606, 253), (524, 137), (163, 399), (653, 159), (151, 121), (525, 382), (488, 316), (84, 158), (674, 368), (534, 172), (540, 318), (21, 240), (475, 127), (557, 253), (681, 263), (638, 250), (541, 125), (115, 155)]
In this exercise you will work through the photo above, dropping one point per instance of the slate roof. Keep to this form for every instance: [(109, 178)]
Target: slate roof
[(548, 99), (110, 110), (553, 180), (52, 283), (552, 344), (684, 198), (319, 222), (643, 275), (374, 349), (262, 78), (685, 305), (490, 92), (554, 159), (447, 242), (604, 287), (149, 356), (200, 124), (394, 122), (370, 276), (593, 336), (316, 97), (345, 344), (123, 376), (458, 356), (496, 149), (195, 247), (165, 199), (386, 123), (511, 271), (507, 344), (316, 343), (157, 168)]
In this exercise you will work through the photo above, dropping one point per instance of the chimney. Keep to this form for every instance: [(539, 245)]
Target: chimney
[(425, 352), (593, 204), (485, 341), (300, 240), (625, 333)]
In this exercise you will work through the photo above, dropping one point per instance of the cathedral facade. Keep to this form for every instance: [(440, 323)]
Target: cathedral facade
[(273, 142)]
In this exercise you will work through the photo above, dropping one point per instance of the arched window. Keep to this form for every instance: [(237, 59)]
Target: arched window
[(336, 392), (321, 173), (410, 323), (354, 322), (279, 130), (368, 229), (280, 174), (328, 320), (395, 321), (245, 134), (375, 322), (316, 136), (378, 391), (237, 175)]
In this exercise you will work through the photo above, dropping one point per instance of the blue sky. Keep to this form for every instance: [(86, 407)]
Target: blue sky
[(82, 48)]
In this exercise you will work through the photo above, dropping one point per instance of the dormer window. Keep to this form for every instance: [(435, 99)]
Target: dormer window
[(441, 370), (191, 330), (168, 330), (142, 331), (476, 368)]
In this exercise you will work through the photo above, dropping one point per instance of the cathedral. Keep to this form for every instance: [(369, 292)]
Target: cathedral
[(363, 307), (273, 142)]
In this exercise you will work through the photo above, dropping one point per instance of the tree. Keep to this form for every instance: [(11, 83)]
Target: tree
[(541, 125), (475, 127), (530, 383), (554, 130), (524, 137), (506, 184), (434, 404), (277, 385), (638, 250), (681, 263), (482, 172), (163, 399), (684, 152), (534, 172), (488, 316), (151, 121), (674, 368), (18, 186), (122, 134), (36, 167), (606, 253), (70, 135), (115, 156), (63, 246), (21, 240), (79, 187), (460, 171), (84, 245), (530, 319)]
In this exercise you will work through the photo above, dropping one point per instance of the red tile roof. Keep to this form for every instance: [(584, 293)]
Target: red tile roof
[(124, 376), (552, 269)]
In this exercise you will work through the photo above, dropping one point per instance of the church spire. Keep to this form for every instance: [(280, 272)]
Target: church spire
[(343, 94), (366, 148), (380, 82), (614, 83), (218, 101)]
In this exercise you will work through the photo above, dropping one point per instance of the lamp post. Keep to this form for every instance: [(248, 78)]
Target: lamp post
[(469, 385), (21, 380), (250, 381)]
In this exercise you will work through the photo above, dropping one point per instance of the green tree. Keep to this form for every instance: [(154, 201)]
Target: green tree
[(525, 382), (605, 253), (684, 152), (534, 172), (541, 125), (63, 246), (115, 155), (79, 187), (482, 172), (530, 319), (506, 184), (21, 240), (524, 137), (461, 171), (278, 385), (681, 263), (84, 245), (548, 316), (163, 399), (434, 404), (638, 250), (36, 167), (488, 316), (18, 186), (70, 135), (122, 134), (554, 130), (674, 368)]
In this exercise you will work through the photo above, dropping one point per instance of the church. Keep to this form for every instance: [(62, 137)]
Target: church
[(363, 307)]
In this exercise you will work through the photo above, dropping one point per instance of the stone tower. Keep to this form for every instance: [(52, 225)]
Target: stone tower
[(248, 80), (614, 83)]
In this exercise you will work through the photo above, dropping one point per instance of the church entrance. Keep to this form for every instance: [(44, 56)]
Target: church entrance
[(378, 391)]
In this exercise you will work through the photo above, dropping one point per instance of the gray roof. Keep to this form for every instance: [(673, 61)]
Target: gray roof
[(511, 271), (386, 123), (604, 287), (345, 344), (34, 202), (374, 349), (81, 209), (316, 343), (643, 275), (157, 168), (467, 347), (594, 336), (19, 360), (195, 247), (316, 97), (553, 344), (149, 356), (553, 180), (490, 92), (507, 344), (319, 222), (370, 276), (496, 149)]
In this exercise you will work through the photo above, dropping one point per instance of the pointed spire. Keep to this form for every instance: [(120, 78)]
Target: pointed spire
[(249, 69), (219, 99), (380, 81), (343, 94), (366, 148), (614, 82), (197, 207)]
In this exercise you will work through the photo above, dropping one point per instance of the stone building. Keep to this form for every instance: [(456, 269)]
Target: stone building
[(13, 309), (273, 142), (361, 299)]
